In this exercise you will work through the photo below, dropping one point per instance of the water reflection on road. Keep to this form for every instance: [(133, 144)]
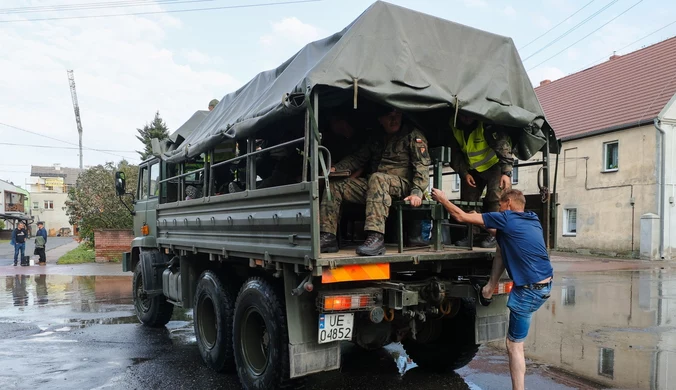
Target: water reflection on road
[(615, 328)]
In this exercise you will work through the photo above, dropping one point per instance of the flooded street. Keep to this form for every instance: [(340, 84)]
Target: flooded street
[(607, 325)]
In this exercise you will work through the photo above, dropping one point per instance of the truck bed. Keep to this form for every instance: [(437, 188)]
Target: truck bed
[(347, 256)]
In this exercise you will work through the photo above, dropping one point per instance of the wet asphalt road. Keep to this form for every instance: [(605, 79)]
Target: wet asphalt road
[(7, 251), (611, 327)]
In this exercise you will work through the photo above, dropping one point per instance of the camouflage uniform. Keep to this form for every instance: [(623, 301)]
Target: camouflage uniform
[(501, 143), (399, 166)]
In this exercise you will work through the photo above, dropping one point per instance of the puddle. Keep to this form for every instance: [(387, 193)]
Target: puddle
[(614, 328)]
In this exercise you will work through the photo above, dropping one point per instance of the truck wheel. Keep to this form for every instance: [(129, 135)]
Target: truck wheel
[(261, 337), (155, 311), (212, 314), (454, 348)]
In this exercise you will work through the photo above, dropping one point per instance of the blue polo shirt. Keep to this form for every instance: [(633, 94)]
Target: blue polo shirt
[(522, 243)]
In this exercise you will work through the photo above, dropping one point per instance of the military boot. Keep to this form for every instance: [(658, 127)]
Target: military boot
[(415, 234), (489, 242), (373, 246), (328, 243), (464, 242)]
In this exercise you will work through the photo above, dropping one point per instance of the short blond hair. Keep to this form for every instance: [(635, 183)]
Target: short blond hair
[(515, 196)]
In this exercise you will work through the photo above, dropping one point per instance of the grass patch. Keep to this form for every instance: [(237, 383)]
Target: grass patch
[(81, 254), (4, 242)]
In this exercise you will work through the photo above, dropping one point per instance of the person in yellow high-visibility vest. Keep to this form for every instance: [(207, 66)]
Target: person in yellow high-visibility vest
[(482, 156)]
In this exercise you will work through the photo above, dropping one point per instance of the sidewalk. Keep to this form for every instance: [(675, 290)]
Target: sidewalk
[(55, 254)]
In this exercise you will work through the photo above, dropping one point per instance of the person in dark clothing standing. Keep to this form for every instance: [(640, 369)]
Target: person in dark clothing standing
[(19, 236), (41, 243)]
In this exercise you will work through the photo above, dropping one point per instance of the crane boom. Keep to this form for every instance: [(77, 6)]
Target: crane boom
[(76, 108)]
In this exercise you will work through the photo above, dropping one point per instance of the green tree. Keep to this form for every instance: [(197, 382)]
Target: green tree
[(93, 204), (155, 129)]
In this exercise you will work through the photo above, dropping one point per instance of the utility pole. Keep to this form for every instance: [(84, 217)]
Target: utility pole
[(76, 108)]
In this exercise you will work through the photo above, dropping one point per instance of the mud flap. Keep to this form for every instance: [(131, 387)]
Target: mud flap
[(306, 355), (491, 321)]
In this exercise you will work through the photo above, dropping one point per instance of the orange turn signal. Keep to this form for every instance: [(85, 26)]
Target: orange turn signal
[(503, 288), (346, 302), (145, 229)]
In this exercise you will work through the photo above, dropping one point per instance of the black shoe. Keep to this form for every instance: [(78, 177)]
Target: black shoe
[(328, 243), (15, 263), (489, 242), (373, 246), (464, 242)]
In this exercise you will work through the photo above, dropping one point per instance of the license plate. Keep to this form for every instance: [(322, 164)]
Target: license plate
[(335, 327)]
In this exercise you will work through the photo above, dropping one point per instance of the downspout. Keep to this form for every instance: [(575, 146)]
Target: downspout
[(663, 153)]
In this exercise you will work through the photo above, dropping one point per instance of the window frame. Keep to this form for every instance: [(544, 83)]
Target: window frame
[(47, 203), (606, 145), (601, 371), (515, 172), (139, 187), (566, 218), (154, 165), (455, 185)]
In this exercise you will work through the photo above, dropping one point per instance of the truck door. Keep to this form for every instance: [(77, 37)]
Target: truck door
[(142, 199)]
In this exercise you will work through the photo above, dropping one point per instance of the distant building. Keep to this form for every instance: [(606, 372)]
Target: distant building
[(13, 203), (48, 192)]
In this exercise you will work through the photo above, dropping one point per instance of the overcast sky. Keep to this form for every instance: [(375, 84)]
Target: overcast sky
[(128, 67)]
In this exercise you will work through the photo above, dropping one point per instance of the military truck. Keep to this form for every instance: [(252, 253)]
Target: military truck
[(266, 302)]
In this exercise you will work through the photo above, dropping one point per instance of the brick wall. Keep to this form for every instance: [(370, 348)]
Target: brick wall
[(111, 243)]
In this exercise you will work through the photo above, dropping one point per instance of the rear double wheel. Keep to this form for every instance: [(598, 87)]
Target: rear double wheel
[(212, 313), (445, 344), (261, 337)]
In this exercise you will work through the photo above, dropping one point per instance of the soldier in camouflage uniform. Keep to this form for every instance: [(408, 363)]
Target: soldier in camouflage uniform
[(482, 156), (399, 165)]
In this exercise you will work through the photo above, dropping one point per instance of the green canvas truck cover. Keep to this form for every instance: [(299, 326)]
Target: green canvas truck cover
[(403, 58)]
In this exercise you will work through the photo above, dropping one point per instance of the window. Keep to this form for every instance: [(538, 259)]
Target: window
[(49, 188), (607, 362), (36, 205), (610, 156), (455, 187), (515, 172), (154, 180), (49, 205), (570, 222), (568, 293), (143, 184)]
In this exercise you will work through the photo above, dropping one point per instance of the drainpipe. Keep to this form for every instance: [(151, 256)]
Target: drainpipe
[(663, 153)]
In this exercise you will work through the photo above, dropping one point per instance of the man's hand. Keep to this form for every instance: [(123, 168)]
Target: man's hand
[(469, 179), (505, 182), (333, 169), (414, 199), (438, 195)]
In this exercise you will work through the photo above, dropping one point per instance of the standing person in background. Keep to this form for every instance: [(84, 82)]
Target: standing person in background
[(19, 236), (41, 243)]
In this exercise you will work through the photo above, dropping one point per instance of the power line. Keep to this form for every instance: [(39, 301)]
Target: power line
[(592, 16), (560, 23), (626, 46), (62, 147), (164, 11), (586, 36), (60, 140), (88, 6)]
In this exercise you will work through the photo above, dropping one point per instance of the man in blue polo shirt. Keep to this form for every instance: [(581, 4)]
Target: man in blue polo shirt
[(524, 254)]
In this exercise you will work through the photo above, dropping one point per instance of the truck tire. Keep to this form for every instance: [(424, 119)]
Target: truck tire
[(453, 349), (212, 315), (153, 312), (261, 338)]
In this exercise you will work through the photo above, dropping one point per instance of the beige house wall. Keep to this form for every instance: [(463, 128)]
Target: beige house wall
[(55, 218), (604, 215)]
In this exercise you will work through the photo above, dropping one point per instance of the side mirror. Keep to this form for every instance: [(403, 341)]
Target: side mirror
[(120, 183)]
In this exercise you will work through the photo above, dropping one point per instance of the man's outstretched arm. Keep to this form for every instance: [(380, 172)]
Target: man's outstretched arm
[(455, 211)]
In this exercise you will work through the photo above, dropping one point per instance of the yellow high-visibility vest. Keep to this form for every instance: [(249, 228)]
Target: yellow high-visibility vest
[(480, 156)]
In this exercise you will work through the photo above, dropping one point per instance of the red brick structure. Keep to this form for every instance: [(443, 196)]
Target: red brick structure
[(111, 243)]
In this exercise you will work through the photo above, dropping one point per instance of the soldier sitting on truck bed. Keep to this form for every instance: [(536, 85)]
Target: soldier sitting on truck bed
[(399, 162)]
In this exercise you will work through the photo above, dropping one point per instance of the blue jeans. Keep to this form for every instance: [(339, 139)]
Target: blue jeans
[(19, 247), (522, 303)]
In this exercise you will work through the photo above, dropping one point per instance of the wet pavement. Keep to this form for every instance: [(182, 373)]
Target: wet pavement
[(7, 251), (607, 325)]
